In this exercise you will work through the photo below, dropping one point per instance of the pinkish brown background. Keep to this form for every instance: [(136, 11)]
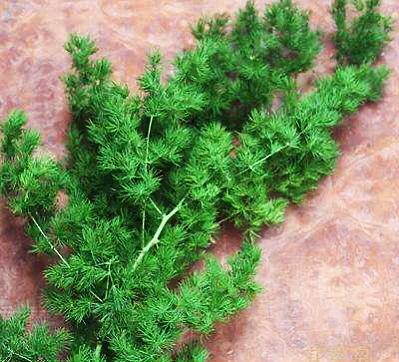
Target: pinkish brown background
[(330, 273)]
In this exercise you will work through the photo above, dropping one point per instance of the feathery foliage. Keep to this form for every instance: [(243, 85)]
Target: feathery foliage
[(39, 344), (150, 177), (361, 40)]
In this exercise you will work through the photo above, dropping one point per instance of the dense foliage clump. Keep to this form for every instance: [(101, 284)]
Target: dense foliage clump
[(150, 177), (361, 40), (18, 345)]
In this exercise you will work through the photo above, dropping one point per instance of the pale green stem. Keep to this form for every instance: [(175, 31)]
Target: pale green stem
[(50, 243), (143, 227), (269, 155), (148, 140), (97, 352), (145, 166), (17, 354), (155, 238), (58, 253), (156, 207)]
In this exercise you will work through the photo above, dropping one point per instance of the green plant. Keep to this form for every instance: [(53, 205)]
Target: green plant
[(362, 39), (38, 345), (150, 177)]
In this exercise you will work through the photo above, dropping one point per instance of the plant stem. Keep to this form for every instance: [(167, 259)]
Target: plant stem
[(51, 245), (17, 354), (148, 140), (155, 206), (145, 168), (97, 352), (58, 253), (155, 238)]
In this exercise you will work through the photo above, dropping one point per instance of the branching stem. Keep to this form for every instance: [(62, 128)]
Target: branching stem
[(270, 154), (58, 253), (155, 238), (17, 354), (49, 242)]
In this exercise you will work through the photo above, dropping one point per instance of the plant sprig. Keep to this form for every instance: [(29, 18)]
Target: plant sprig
[(151, 176)]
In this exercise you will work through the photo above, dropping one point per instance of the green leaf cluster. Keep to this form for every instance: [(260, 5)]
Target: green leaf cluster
[(361, 39), (39, 344), (151, 175)]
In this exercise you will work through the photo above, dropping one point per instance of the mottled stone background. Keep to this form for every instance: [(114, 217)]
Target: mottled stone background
[(330, 272)]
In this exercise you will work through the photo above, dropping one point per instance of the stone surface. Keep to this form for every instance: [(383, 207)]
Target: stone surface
[(330, 273)]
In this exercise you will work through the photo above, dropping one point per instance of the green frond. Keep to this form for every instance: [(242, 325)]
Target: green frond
[(151, 176)]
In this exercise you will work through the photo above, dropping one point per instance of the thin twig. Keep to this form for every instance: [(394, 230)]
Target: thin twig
[(143, 227), (156, 207), (225, 219), (145, 168), (270, 154), (58, 253), (97, 352), (148, 140), (17, 354), (49, 242), (96, 296), (109, 277), (264, 159), (155, 238)]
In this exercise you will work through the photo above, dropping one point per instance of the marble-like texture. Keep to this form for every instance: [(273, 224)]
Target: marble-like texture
[(330, 273)]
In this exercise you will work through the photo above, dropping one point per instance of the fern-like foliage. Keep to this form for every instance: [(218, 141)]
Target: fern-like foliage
[(150, 177), (361, 40), (18, 345)]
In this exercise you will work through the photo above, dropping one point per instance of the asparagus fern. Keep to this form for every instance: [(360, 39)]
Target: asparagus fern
[(150, 176)]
